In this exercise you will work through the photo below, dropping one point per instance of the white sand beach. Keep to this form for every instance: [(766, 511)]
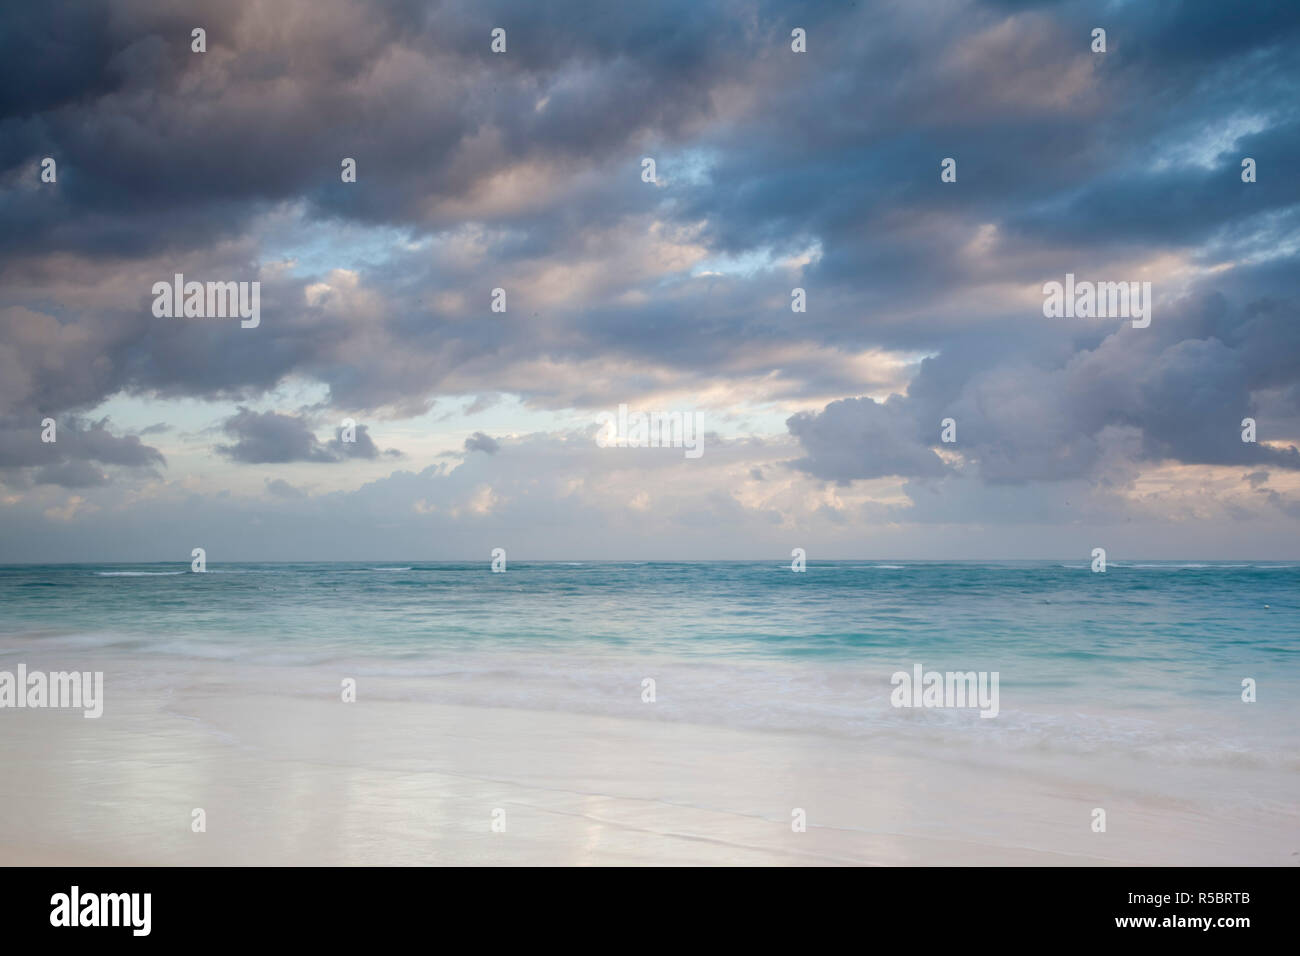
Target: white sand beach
[(288, 774)]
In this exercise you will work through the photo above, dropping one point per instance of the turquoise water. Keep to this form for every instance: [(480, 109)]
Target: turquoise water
[(1158, 617), (741, 642)]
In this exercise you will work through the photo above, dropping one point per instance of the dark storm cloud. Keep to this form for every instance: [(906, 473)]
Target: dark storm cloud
[(272, 438), (269, 437), (1184, 390), (148, 134), (523, 170), (861, 438), (359, 445), (75, 459)]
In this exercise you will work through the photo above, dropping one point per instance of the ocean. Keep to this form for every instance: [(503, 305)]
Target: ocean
[(1147, 657)]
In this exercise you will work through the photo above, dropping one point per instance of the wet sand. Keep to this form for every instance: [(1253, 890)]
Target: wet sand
[(289, 774)]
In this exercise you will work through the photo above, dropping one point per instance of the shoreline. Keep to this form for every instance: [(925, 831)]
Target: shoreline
[(290, 779)]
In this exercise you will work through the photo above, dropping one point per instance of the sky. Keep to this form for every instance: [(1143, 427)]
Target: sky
[(524, 170)]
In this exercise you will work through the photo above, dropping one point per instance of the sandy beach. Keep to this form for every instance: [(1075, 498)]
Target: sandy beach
[(289, 774)]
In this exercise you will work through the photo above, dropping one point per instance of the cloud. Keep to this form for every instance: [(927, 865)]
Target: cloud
[(561, 496), (1033, 411), (481, 442), (279, 488), (276, 438), (78, 456), (71, 474), (522, 172), (861, 438), (270, 437)]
